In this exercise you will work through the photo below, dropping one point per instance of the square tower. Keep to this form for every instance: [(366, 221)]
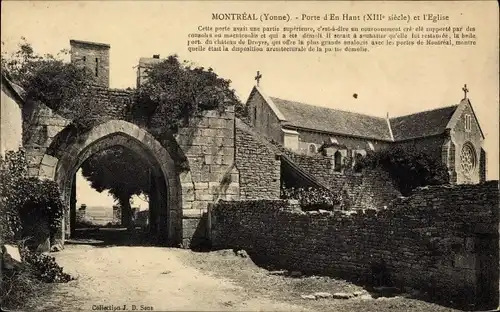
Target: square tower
[(94, 56), (144, 64)]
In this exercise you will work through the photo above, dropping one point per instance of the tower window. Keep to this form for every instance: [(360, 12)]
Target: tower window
[(255, 115), (96, 67), (84, 59)]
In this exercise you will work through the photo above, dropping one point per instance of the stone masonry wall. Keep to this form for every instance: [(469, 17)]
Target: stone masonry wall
[(442, 239), (369, 189), (209, 145), (207, 142), (258, 164)]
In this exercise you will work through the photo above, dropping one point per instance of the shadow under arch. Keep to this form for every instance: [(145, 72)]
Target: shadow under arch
[(62, 161)]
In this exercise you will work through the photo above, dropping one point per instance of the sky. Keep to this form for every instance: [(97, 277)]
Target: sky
[(387, 80)]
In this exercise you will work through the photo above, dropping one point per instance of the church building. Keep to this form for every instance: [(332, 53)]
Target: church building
[(449, 134)]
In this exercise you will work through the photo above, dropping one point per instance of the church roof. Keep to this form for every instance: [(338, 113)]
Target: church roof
[(324, 119), (422, 124)]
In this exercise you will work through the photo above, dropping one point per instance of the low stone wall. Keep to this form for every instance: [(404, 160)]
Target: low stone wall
[(442, 239)]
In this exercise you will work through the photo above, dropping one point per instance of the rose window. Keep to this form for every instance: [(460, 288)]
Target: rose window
[(468, 159)]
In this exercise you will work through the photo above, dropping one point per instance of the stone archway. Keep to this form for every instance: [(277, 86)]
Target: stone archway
[(61, 166)]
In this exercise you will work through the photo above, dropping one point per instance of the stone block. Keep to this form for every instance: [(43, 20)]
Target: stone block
[(215, 123), (204, 197), (49, 160), (200, 205), (465, 261), (211, 113), (208, 159), (469, 244), (185, 178), (47, 172), (201, 186), (187, 204), (228, 160)]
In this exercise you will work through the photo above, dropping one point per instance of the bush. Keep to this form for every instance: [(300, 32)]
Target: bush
[(30, 207), (312, 198), (13, 169), (27, 280), (408, 167), (45, 267), (17, 286)]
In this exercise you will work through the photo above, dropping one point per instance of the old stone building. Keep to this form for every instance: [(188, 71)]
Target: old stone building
[(94, 56), (450, 134)]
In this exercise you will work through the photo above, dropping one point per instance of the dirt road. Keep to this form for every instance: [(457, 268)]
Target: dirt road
[(146, 278), (166, 279)]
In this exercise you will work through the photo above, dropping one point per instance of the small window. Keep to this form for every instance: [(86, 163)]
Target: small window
[(255, 115), (468, 122), (96, 67), (84, 59), (312, 149), (338, 161)]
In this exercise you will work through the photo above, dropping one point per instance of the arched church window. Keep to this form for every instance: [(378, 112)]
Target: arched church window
[(312, 149), (337, 157), (468, 159), (255, 115), (357, 162)]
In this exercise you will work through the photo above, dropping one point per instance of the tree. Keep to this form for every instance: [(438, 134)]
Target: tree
[(176, 91), (48, 79), (408, 167), (121, 172)]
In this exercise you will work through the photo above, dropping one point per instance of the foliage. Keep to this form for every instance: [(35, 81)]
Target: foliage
[(408, 167), (41, 202), (45, 267), (119, 170), (112, 170), (176, 91), (18, 285), (26, 200), (312, 198), (13, 170), (48, 79)]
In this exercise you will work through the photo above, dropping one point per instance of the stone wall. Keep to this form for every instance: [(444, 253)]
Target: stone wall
[(258, 164), (209, 145), (371, 188), (442, 239), (203, 151)]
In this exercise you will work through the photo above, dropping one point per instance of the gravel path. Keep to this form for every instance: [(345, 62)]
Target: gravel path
[(157, 278), (169, 279)]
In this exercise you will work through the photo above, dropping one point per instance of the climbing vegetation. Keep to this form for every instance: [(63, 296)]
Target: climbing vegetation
[(30, 208), (175, 91), (408, 167), (50, 80)]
